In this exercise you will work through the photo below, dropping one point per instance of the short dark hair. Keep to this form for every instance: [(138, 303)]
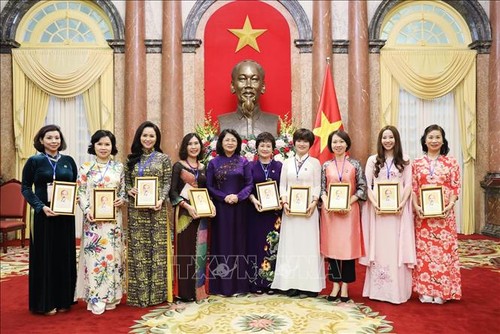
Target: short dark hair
[(101, 134), (263, 137), (303, 134), (445, 148), (183, 154), (342, 134), (41, 133), (220, 150), (236, 67)]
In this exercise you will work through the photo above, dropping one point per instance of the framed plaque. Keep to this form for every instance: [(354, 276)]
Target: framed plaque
[(432, 201), (63, 198), (147, 191), (388, 197), (267, 194), (298, 200), (339, 195), (103, 207), (199, 199)]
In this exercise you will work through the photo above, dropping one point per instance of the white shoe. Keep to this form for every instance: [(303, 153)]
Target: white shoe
[(425, 299), (439, 300), (111, 306)]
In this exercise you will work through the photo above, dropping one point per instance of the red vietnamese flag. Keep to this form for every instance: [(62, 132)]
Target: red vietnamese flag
[(327, 120)]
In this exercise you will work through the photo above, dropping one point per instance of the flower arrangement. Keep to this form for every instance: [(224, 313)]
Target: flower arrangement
[(284, 142)]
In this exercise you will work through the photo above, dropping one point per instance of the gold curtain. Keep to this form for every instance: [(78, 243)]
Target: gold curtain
[(429, 74), (64, 73)]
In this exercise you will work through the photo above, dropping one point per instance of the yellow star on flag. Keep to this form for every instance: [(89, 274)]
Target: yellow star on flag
[(247, 36), (324, 130)]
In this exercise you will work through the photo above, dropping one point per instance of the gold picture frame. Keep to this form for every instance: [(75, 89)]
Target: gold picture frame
[(432, 201), (298, 200), (267, 194), (63, 200), (199, 199), (339, 195), (388, 197), (103, 208), (147, 191)]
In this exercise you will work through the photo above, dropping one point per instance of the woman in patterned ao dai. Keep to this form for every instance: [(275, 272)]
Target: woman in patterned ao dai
[(390, 237), (436, 277), (100, 268), (341, 238), (147, 227)]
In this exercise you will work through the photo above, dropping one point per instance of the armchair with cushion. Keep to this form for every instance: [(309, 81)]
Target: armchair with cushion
[(12, 211)]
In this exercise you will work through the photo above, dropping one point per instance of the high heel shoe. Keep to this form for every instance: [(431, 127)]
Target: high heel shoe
[(331, 298), (293, 293), (344, 299)]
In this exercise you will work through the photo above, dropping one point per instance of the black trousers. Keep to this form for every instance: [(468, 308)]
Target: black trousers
[(341, 270)]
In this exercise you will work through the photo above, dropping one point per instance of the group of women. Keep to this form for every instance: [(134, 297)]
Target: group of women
[(251, 249)]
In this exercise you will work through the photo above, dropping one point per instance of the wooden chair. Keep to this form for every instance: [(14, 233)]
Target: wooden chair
[(12, 211)]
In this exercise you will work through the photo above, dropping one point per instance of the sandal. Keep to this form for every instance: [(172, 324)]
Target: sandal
[(51, 312)]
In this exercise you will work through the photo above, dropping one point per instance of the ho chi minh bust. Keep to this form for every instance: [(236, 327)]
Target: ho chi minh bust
[(247, 81)]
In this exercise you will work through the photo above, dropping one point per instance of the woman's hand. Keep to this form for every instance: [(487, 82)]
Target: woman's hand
[(48, 212), (256, 204), (189, 208), (231, 199), (419, 211), (132, 192), (118, 202), (312, 206), (286, 208), (90, 217), (158, 205), (448, 209)]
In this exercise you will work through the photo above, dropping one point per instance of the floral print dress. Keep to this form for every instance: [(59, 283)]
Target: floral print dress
[(100, 268), (437, 272)]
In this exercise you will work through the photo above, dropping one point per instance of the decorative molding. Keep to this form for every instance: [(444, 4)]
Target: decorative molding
[(6, 46), (491, 186), (376, 45), (190, 43), (471, 10), (481, 46), (340, 46), (14, 11)]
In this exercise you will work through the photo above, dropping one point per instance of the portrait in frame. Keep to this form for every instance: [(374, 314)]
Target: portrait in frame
[(103, 208), (63, 198), (267, 194), (388, 197), (147, 191), (298, 200), (432, 201), (339, 196), (199, 199)]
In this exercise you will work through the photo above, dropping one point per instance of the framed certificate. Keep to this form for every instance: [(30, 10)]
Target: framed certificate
[(63, 198), (147, 191), (298, 200), (432, 201), (388, 197), (199, 199), (103, 208), (339, 195), (267, 194)]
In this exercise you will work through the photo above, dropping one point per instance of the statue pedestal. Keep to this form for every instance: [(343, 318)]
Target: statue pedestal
[(491, 186)]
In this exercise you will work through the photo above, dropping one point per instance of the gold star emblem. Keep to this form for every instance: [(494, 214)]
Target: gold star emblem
[(247, 35), (324, 130)]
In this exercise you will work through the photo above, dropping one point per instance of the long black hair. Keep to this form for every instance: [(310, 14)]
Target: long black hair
[(136, 147)]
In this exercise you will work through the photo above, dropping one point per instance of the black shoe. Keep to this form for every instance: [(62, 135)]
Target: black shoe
[(270, 292), (344, 299), (293, 293), (310, 294), (332, 298)]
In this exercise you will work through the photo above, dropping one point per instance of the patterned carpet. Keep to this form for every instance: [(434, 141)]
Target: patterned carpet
[(269, 314)]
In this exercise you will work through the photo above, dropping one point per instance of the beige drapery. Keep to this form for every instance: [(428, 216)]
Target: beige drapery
[(429, 74), (64, 73)]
